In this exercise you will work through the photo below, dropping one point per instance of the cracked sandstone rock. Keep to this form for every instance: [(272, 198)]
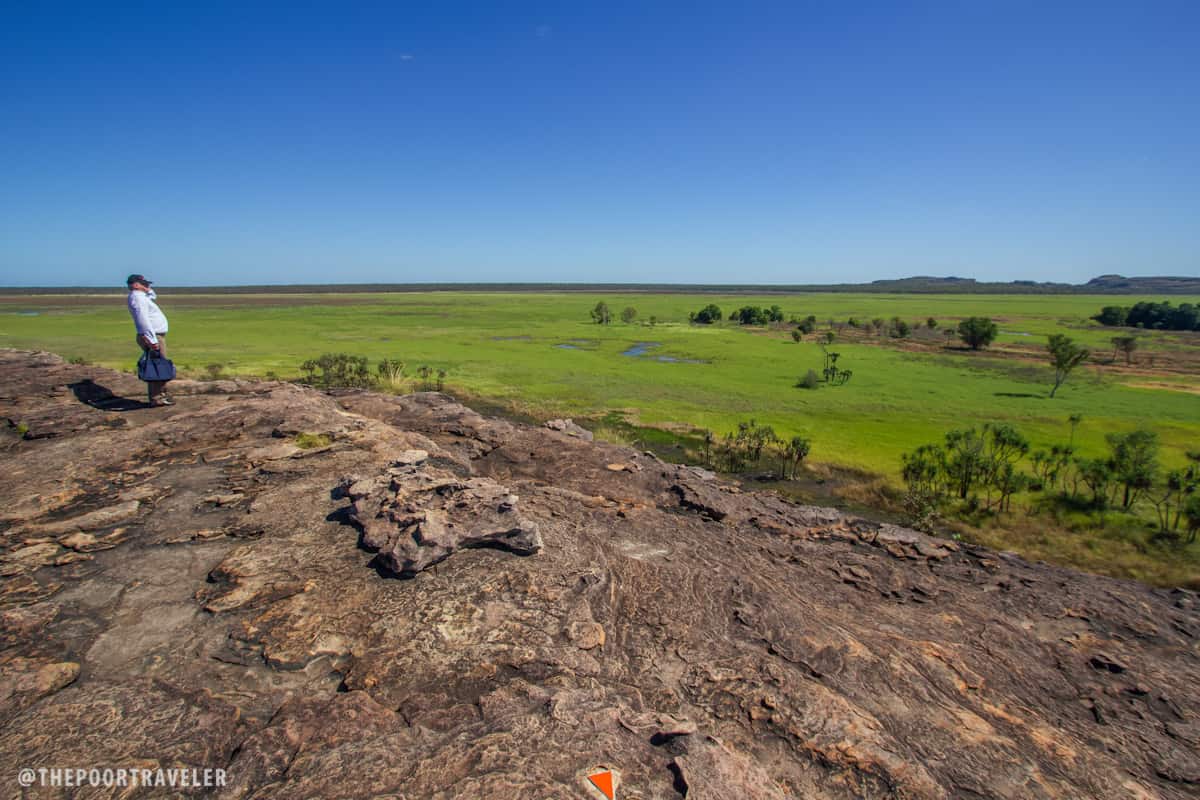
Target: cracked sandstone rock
[(688, 635), (416, 517)]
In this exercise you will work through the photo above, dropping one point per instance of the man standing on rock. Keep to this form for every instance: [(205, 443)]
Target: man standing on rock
[(151, 324)]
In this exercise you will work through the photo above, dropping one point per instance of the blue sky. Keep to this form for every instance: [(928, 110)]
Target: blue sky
[(219, 143)]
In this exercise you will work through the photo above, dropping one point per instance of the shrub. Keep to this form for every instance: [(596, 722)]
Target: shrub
[(391, 373), (977, 332), (336, 370), (600, 314), (311, 441), (794, 453), (811, 380)]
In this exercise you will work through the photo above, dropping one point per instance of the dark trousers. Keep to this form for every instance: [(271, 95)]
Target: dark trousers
[(155, 389)]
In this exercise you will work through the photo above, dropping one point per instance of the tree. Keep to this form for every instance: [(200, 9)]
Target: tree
[(1065, 356), (931, 323), (600, 314), (653, 320), (977, 332), (746, 445), (1134, 461), (899, 328), (1112, 315), (1155, 316), (1049, 466), (797, 336), (924, 473), (1005, 446), (830, 369), (775, 314), (965, 460), (795, 452), (708, 315), (1126, 345), (629, 314), (924, 469), (753, 315), (1173, 496), (391, 372), (1097, 474), (1191, 514)]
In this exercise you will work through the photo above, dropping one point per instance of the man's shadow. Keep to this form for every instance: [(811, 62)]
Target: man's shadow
[(99, 396)]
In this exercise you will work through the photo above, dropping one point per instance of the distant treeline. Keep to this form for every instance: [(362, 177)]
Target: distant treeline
[(1153, 316), (1105, 284)]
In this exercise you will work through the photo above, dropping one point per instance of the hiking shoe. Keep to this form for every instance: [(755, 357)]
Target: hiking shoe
[(163, 401)]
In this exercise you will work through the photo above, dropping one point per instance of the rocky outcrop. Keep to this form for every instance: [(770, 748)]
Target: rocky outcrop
[(415, 516), (415, 600)]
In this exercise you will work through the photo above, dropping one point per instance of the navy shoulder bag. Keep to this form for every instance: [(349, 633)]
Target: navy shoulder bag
[(154, 367)]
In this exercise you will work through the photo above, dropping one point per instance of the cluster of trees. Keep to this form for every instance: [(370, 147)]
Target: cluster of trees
[(706, 316), (981, 468), (754, 315), (806, 325), (831, 373), (1156, 316), (602, 315), (346, 371), (752, 446)]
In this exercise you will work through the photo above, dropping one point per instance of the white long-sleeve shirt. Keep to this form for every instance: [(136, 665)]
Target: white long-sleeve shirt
[(147, 316)]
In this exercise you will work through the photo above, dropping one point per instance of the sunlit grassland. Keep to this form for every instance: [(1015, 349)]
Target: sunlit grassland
[(508, 348)]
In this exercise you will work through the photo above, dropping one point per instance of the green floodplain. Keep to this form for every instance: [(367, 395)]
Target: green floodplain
[(541, 356)]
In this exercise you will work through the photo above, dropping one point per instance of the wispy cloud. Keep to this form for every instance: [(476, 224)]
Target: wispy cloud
[(407, 56)]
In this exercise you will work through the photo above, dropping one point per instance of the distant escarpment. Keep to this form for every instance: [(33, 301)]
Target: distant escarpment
[(917, 284), (414, 600)]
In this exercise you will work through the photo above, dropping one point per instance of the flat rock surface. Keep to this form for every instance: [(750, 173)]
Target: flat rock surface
[(437, 604)]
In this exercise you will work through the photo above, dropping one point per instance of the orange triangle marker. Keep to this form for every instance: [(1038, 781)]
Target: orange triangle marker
[(604, 782)]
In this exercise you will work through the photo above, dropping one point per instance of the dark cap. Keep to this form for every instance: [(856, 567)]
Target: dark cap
[(132, 279)]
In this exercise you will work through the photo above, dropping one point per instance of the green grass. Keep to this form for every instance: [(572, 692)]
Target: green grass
[(505, 349), (895, 401)]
